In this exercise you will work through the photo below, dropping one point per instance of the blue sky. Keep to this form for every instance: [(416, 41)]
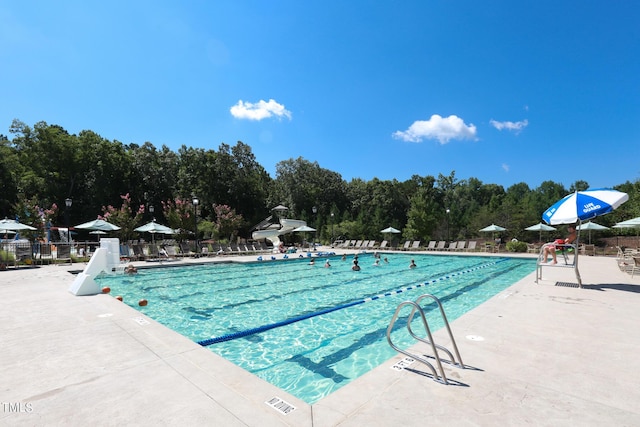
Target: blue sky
[(502, 91)]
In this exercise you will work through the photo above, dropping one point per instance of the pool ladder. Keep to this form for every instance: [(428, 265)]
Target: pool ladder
[(429, 341)]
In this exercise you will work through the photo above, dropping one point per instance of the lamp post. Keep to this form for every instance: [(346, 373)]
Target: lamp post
[(448, 212), (195, 221), (313, 241), (68, 202), (331, 229), (153, 235)]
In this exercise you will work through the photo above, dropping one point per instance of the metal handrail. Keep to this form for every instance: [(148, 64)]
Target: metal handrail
[(429, 341), (446, 324)]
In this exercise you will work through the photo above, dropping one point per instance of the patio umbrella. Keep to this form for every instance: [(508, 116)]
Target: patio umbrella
[(540, 227), (390, 230), (633, 222), (630, 223), (13, 225), (591, 226), (583, 205), (492, 229), (303, 229), (153, 228), (98, 224)]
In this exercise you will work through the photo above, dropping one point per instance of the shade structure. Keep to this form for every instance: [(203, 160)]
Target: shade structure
[(13, 225), (98, 224), (390, 230), (591, 226), (540, 227), (584, 205)]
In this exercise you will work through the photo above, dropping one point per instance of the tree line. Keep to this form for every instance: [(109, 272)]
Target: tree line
[(43, 165)]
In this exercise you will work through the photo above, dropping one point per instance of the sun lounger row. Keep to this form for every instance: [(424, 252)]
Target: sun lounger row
[(461, 245), (361, 244), (413, 245), (149, 251)]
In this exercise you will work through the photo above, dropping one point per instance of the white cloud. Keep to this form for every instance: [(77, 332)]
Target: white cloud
[(260, 110), (437, 127), (512, 126), (505, 167)]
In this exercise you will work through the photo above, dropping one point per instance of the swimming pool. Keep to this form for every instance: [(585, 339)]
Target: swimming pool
[(338, 317)]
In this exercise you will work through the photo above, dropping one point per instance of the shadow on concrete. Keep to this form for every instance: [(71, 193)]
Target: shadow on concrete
[(614, 286)]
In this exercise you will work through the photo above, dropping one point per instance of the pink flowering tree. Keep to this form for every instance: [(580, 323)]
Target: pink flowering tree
[(28, 212), (47, 216), (126, 217), (227, 221), (179, 215)]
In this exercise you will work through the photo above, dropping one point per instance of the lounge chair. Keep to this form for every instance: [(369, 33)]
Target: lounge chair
[(384, 244), (441, 245), (185, 249), (588, 249), (472, 246), (635, 266), (432, 245), (452, 246), (415, 244), (461, 245), (171, 251), (406, 245), (138, 252)]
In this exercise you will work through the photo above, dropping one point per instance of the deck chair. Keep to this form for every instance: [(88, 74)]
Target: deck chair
[(432, 245), (63, 252), (472, 246), (461, 245), (441, 245), (384, 244), (415, 244), (23, 254), (406, 245), (452, 246), (45, 252)]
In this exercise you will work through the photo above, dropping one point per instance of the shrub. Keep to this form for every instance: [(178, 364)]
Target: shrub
[(516, 246)]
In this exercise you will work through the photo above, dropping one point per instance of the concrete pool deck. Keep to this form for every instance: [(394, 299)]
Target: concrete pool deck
[(537, 354)]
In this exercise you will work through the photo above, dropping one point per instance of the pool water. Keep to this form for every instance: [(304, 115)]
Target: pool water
[(312, 357)]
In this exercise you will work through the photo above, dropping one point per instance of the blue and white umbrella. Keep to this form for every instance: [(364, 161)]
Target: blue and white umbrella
[(583, 205)]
